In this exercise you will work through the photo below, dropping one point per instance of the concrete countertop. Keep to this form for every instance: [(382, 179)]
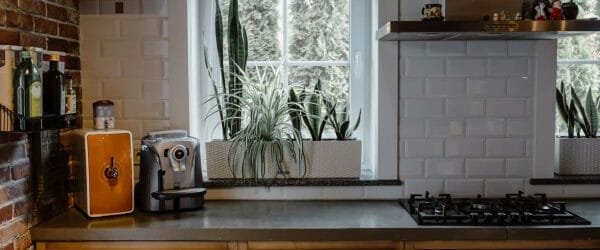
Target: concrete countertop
[(296, 220)]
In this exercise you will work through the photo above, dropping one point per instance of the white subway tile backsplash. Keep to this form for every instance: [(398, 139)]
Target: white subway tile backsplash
[(412, 168), (446, 48), (499, 187), (485, 168), (412, 48), (466, 66), (412, 128), (420, 66), (155, 125), (486, 87), (444, 168), (506, 107), (121, 48), (155, 89), (508, 66), (521, 48), (95, 28), (464, 187), (441, 128), (90, 49), (427, 107), (419, 186), (132, 125), (519, 167), (383, 192), (155, 7), (93, 88), (141, 27), (148, 69), (412, 86), (419, 148), (100, 68), (487, 48), (144, 109), (122, 89), (521, 87), (464, 107), (519, 127), (505, 147), (464, 147), (156, 48), (485, 127), (445, 87)]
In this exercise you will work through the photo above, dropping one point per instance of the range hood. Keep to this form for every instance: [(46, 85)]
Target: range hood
[(485, 30)]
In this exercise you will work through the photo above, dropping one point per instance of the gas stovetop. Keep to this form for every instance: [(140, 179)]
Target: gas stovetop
[(514, 209)]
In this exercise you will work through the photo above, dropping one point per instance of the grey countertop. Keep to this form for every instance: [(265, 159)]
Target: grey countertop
[(296, 220)]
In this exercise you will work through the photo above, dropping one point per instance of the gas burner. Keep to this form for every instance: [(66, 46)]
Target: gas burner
[(514, 209)]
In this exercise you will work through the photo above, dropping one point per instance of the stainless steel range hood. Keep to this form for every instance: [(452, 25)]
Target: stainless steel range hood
[(485, 30)]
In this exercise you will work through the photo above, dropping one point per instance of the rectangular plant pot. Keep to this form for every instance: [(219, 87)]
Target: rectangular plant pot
[(324, 159), (577, 156)]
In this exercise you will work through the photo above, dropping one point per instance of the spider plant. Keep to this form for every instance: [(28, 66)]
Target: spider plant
[(575, 115), (267, 133)]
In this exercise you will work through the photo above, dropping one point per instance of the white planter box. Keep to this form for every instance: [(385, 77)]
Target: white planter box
[(324, 159), (577, 156)]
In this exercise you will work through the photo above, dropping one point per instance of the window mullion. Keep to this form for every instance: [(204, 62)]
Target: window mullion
[(284, 41)]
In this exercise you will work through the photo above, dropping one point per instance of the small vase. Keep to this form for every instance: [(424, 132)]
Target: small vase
[(570, 10)]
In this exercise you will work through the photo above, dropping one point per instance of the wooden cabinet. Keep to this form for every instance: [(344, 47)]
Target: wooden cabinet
[(320, 245)]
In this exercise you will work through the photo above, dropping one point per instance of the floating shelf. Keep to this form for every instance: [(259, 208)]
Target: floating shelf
[(51, 122), (485, 30)]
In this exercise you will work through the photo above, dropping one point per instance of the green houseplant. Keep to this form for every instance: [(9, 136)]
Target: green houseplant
[(578, 154)]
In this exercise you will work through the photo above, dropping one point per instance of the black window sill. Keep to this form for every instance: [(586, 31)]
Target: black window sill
[(221, 183), (567, 180)]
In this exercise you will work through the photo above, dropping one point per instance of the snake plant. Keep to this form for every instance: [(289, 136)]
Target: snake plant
[(230, 93), (315, 113), (340, 122), (577, 116)]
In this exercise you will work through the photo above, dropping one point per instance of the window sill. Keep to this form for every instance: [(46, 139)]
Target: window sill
[(567, 180), (220, 183)]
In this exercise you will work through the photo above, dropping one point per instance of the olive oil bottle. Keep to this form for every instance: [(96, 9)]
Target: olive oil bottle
[(28, 92)]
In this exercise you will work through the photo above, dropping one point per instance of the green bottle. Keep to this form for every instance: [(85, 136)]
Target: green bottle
[(28, 92)]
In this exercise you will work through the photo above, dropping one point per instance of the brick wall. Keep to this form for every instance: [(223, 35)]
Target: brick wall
[(52, 25), (49, 24), (16, 191)]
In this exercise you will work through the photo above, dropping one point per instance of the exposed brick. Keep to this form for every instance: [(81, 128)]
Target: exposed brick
[(68, 31), (9, 3), (73, 16), (21, 170), (4, 174), (18, 152), (5, 151), (23, 241), (4, 137), (76, 78), (26, 22), (73, 48), (9, 246), (31, 40), (46, 26), (33, 6), (69, 3), (2, 17), (23, 206), (56, 44), (12, 19), (18, 189), (6, 213), (13, 229), (72, 63), (56, 12)]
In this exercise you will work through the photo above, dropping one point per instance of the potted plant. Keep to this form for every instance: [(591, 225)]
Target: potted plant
[(579, 152), (326, 158)]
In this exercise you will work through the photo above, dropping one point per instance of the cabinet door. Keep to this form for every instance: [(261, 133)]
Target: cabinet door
[(131, 245), (502, 244), (325, 245)]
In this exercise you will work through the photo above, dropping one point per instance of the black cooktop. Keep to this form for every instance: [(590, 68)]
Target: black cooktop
[(513, 209)]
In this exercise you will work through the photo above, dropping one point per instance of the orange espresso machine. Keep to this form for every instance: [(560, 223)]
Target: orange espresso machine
[(103, 166)]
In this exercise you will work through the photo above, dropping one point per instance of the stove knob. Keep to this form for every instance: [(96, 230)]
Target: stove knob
[(474, 217), (501, 218), (514, 217)]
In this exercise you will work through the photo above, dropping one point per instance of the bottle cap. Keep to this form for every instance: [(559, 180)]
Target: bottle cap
[(54, 57), (25, 54)]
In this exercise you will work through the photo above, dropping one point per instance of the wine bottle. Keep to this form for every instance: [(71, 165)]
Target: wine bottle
[(27, 92), (71, 98), (54, 89)]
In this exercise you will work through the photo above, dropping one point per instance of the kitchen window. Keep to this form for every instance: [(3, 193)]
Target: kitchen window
[(579, 60), (310, 39)]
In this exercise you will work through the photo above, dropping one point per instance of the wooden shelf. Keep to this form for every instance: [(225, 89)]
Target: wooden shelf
[(485, 30)]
